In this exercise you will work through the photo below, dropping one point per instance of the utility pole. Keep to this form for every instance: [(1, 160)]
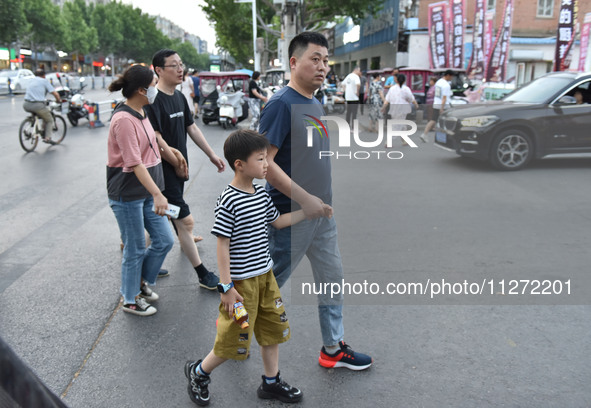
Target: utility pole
[(289, 23), (257, 56)]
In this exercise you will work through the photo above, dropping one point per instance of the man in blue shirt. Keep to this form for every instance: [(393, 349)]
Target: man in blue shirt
[(299, 178)]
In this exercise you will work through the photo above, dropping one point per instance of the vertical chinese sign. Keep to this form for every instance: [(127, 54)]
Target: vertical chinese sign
[(565, 36), (496, 70), (584, 42), (457, 34), (438, 35), (478, 57)]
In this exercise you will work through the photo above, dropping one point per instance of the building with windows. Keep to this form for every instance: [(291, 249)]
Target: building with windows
[(398, 36), (372, 45)]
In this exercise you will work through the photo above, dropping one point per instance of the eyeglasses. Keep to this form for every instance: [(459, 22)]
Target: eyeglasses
[(175, 67)]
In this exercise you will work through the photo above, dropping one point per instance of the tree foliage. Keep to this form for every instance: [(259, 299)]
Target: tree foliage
[(233, 22), (107, 29), (13, 21), (44, 26), (80, 37)]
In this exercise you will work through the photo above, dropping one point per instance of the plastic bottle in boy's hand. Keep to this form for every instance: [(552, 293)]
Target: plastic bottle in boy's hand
[(240, 315)]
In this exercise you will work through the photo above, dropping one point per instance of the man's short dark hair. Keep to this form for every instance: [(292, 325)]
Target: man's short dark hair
[(40, 72), (158, 60), (241, 144), (302, 40), (256, 75), (448, 72)]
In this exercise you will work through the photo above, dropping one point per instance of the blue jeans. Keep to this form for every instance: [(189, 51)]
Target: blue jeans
[(140, 262), (317, 239)]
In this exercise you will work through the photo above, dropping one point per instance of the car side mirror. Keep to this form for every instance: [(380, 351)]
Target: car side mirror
[(567, 100)]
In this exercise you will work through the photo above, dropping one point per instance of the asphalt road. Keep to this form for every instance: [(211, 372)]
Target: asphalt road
[(428, 216)]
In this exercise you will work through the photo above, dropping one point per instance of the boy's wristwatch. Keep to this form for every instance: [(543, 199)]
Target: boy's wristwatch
[(224, 288)]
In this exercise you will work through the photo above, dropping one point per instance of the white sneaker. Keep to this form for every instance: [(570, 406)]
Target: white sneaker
[(140, 308), (423, 138), (147, 293)]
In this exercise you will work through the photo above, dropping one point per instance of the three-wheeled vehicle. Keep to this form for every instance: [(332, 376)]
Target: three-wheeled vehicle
[(274, 80), (225, 81)]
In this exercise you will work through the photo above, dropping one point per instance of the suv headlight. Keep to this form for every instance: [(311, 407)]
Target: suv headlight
[(479, 121)]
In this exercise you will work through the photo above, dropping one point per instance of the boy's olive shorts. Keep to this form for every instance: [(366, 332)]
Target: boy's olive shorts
[(266, 318)]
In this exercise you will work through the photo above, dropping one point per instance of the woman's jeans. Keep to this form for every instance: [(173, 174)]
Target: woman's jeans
[(140, 262)]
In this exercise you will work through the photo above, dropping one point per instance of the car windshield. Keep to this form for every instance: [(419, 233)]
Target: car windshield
[(539, 90), (10, 74)]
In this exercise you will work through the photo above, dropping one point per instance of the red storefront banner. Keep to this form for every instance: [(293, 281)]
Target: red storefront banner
[(584, 42), (456, 46), (565, 36), (488, 34), (496, 70), (478, 58), (438, 35)]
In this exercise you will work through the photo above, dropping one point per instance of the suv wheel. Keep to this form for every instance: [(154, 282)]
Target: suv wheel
[(511, 150)]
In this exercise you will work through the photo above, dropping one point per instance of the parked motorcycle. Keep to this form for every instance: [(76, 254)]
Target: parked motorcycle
[(332, 99), (78, 106), (232, 108)]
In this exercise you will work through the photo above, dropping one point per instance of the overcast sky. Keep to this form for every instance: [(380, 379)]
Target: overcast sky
[(185, 13)]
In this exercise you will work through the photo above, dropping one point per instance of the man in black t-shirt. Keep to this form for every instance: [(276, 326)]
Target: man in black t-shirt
[(171, 117), (255, 97)]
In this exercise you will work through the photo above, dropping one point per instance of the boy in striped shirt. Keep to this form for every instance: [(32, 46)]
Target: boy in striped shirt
[(242, 214)]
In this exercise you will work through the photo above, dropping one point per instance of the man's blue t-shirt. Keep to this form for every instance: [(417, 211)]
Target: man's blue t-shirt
[(284, 121)]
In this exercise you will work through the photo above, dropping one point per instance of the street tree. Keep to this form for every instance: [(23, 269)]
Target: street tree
[(107, 21), (80, 38), (233, 22), (44, 28), (13, 21)]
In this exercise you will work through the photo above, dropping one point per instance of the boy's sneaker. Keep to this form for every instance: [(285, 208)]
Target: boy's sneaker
[(147, 293), (209, 281), (162, 273), (279, 390), (140, 308), (345, 357), (197, 387)]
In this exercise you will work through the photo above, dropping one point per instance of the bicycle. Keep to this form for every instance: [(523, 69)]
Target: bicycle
[(32, 129)]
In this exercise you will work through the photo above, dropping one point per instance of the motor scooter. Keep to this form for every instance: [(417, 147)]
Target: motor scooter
[(232, 108), (77, 106)]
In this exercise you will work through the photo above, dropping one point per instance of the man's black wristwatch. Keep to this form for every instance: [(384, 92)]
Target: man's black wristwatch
[(224, 288)]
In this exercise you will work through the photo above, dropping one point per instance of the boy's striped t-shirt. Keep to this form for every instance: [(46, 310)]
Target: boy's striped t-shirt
[(243, 217)]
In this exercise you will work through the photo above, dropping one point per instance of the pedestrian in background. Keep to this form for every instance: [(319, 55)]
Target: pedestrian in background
[(187, 89), (362, 88), (441, 100), (256, 97), (391, 79), (352, 86), (429, 98), (134, 184), (376, 101), (196, 82), (400, 100), (171, 116), (296, 177)]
